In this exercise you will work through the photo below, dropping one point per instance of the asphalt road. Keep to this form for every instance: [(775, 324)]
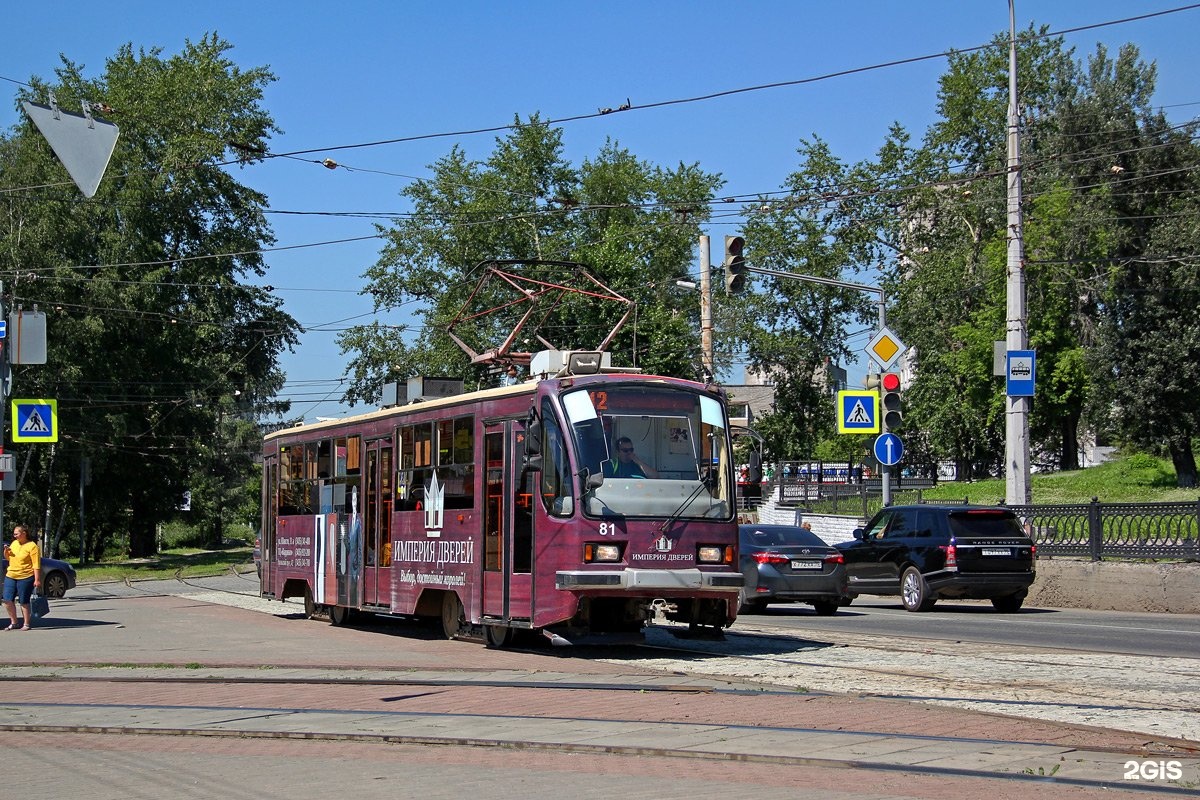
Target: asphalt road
[(1127, 633)]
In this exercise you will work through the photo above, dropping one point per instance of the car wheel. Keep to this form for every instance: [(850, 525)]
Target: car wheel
[(749, 606), (55, 585), (1009, 603), (914, 591), (825, 608)]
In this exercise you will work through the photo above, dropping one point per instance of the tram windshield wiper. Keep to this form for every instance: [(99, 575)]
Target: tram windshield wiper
[(677, 513)]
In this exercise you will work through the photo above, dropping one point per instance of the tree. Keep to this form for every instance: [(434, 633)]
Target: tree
[(1105, 179), (949, 279), (632, 224), (832, 224), (153, 331)]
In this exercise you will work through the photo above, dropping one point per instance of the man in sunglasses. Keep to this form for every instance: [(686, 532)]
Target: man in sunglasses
[(627, 464)]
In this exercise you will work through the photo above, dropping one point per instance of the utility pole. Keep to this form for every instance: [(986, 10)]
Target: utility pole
[(706, 325), (1016, 440)]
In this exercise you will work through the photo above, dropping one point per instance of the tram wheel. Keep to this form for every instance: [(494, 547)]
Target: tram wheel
[(340, 615), (499, 636), (310, 605), (452, 615)]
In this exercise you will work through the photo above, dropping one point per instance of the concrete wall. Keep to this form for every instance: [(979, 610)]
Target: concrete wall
[(1061, 582), (1116, 585)]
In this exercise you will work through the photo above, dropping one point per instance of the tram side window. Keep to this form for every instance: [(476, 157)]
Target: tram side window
[(318, 458), (456, 461), (317, 477), (346, 452), (556, 469), (341, 475), (293, 490), (416, 465)]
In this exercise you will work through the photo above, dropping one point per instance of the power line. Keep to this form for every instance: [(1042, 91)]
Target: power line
[(720, 94)]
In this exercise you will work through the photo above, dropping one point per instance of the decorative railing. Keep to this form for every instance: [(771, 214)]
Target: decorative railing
[(1115, 530), (1093, 530)]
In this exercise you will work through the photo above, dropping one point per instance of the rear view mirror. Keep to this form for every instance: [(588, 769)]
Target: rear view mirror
[(533, 443), (859, 533)]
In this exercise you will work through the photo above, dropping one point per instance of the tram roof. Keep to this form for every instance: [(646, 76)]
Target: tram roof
[(494, 393)]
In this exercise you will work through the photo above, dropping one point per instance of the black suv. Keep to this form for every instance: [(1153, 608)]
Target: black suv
[(926, 552)]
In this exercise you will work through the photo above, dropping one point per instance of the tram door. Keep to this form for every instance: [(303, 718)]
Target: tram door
[(377, 522), (266, 536), (508, 525)]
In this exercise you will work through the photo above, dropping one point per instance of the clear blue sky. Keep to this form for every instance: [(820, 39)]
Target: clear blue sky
[(355, 72)]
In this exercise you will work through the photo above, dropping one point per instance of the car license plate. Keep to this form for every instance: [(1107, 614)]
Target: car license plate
[(997, 551), (806, 565)]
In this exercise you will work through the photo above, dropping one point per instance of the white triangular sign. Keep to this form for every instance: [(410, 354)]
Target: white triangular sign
[(34, 423), (83, 145)]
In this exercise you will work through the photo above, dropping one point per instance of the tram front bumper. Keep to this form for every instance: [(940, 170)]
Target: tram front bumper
[(648, 579)]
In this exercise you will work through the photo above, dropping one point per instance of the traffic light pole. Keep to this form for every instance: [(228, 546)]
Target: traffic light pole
[(706, 324), (886, 471)]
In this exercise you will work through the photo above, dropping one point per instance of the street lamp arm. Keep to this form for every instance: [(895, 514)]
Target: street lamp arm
[(860, 287)]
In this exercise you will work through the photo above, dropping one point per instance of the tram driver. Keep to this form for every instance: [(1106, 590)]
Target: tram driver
[(626, 463)]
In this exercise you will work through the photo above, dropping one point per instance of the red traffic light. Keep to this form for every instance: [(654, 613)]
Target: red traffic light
[(890, 382)]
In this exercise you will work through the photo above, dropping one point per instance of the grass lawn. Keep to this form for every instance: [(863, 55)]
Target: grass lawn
[(1139, 478), (182, 562)]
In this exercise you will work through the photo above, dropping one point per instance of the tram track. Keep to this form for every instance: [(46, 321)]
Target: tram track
[(158, 705), (931, 671)]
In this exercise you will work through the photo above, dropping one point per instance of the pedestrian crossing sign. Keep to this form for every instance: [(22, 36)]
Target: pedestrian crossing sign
[(35, 420), (858, 411)]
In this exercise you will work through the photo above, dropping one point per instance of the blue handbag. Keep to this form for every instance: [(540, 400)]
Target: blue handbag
[(39, 606)]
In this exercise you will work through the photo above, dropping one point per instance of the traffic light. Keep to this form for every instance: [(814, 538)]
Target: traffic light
[(735, 264), (893, 415)]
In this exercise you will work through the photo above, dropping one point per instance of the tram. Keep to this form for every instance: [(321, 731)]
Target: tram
[(578, 504)]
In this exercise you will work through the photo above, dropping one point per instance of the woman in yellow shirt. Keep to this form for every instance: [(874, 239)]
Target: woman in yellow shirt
[(24, 574)]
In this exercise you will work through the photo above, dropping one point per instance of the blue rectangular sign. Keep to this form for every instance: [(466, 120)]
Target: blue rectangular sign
[(1020, 371)]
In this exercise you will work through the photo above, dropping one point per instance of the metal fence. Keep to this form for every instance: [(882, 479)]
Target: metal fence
[(1094, 530), (1115, 530)]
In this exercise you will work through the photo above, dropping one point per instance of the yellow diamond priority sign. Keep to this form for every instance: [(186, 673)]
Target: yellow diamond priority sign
[(886, 348)]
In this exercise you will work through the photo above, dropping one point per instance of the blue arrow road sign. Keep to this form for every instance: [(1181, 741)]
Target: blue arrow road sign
[(888, 449)]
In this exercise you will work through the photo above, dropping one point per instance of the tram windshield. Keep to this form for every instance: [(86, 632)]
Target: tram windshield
[(662, 451)]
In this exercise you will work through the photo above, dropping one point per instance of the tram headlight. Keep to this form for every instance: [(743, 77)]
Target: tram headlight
[(710, 554), (601, 552)]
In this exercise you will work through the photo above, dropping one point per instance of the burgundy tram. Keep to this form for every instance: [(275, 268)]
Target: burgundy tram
[(492, 509)]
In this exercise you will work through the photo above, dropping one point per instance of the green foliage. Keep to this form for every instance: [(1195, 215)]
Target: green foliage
[(163, 355), (633, 225), (1109, 276), (793, 329)]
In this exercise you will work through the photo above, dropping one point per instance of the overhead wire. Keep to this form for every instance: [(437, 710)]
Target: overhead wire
[(567, 119)]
